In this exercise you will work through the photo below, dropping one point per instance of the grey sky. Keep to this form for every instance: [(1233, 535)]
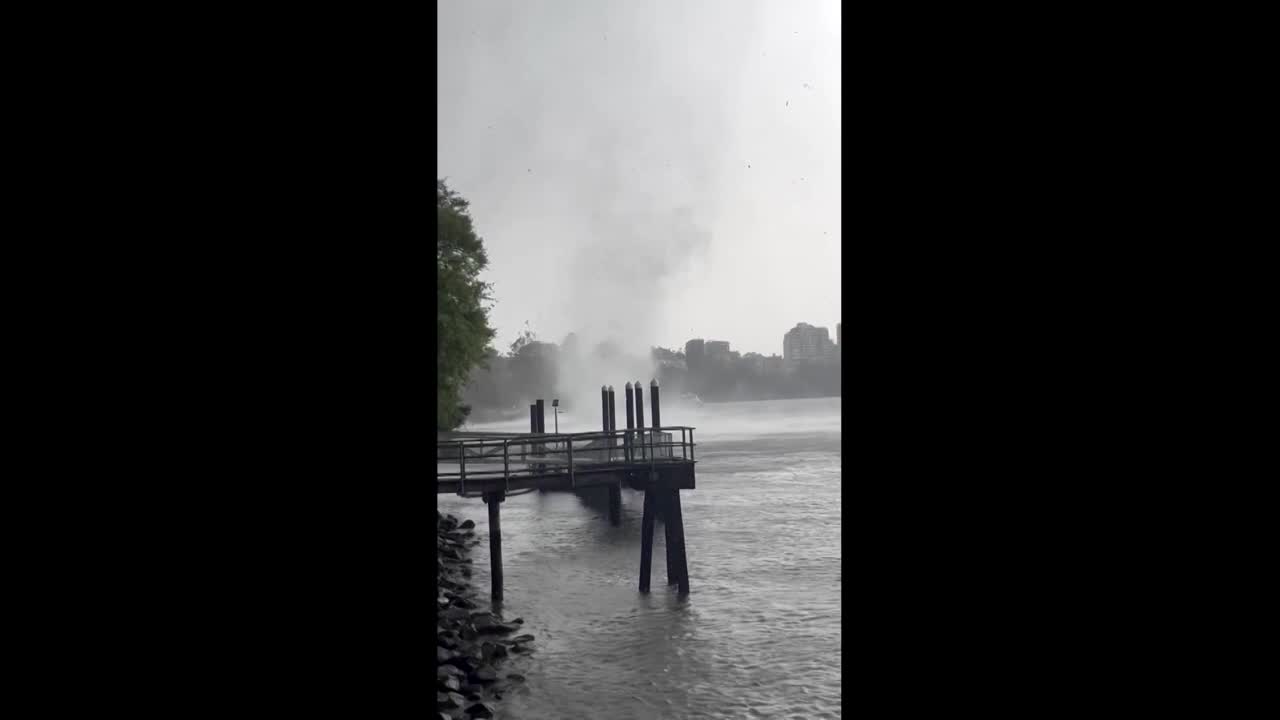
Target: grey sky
[(657, 170)]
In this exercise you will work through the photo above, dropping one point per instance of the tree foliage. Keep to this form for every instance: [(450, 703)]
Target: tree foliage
[(462, 319)]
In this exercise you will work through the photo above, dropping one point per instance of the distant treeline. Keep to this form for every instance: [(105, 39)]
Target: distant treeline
[(508, 383)]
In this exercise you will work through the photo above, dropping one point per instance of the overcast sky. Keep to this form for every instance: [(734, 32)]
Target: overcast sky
[(652, 171)]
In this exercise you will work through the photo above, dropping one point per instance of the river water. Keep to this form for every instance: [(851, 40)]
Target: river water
[(759, 634)]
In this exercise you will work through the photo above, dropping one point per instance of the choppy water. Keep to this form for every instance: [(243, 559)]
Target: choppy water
[(759, 634)]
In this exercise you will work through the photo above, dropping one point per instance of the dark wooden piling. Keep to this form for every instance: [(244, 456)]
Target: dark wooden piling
[(604, 408), (631, 418), (639, 395), (495, 543), (646, 539), (654, 404), (615, 505), (676, 521), (533, 418), (542, 417), (613, 415), (669, 535)]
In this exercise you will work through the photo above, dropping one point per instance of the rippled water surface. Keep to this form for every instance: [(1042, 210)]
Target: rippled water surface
[(759, 634)]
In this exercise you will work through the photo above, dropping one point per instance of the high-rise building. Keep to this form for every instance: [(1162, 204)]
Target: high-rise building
[(694, 353), (717, 348), (805, 342)]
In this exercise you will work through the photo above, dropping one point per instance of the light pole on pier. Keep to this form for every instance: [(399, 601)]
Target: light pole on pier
[(555, 405)]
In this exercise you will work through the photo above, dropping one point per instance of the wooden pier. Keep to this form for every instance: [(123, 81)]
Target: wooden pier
[(658, 461)]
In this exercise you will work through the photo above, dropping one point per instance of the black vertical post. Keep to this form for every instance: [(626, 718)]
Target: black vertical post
[(495, 543), (615, 504), (675, 519), (653, 403), (612, 423), (639, 405), (542, 429), (646, 540), (669, 534), (533, 418), (631, 417), (615, 490), (639, 391)]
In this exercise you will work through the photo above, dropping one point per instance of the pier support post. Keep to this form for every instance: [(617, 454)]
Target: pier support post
[(495, 543), (646, 538), (675, 521), (669, 535), (615, 505)]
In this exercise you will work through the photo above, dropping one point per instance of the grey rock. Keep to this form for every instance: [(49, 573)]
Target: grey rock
[(485, 674), (467, 524), (443, 655), (444, 671), (523, 638), (490, 650), (462, 662), (450, 700), (455, 613), (480, 710), (450, 684), (515, 676)]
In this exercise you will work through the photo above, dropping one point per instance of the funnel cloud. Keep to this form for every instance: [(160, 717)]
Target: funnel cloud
[(646, 173)]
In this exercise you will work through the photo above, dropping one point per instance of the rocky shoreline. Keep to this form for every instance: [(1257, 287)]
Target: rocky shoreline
[(471, 642)]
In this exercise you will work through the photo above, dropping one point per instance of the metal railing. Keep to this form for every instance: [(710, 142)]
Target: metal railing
[(539, 455)]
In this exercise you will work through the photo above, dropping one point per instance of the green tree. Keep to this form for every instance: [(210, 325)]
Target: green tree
[(462, 320)]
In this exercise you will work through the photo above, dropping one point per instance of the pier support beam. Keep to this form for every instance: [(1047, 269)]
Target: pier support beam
[(615, 505), (646, 538), (495, 543), (669, 532), (675, 525)]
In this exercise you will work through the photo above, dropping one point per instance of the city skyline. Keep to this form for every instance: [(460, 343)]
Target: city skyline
[(681, 346)]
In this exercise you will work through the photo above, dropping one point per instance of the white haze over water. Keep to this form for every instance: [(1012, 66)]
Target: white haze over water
[(605, 146)]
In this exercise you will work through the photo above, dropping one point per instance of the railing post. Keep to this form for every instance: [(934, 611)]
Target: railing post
[(506, 464), (569, 444), (462, 468)]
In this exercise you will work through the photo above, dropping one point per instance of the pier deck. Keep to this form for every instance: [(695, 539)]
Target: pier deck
[(472, 464)]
